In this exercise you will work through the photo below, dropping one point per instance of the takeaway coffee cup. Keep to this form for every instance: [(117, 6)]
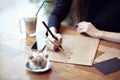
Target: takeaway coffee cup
[(28, 25)]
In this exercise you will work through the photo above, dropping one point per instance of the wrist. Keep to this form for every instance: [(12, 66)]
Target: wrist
[(99, 34)]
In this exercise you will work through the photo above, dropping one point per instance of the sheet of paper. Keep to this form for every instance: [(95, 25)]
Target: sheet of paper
[(77, 50), (57, 56), (113, 52), (108, 66)]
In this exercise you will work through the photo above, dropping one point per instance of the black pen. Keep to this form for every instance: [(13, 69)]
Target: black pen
[(51, 33)]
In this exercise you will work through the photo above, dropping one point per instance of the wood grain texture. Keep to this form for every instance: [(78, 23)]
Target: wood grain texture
[(14, 51), (111, 53)]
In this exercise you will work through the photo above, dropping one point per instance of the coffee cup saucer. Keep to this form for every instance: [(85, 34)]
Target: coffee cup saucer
[(38, 69)]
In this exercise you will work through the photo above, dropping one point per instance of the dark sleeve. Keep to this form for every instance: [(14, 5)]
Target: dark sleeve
[(59, 13)]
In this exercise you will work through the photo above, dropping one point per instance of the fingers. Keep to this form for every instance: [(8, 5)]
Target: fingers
[(52, 43), (88, 28), (82, 27), (49, 44), (59, 37)]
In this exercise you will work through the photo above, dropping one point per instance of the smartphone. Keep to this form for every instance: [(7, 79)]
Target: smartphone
[(34, 46)]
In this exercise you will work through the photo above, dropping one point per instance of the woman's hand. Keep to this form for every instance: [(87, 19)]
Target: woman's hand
[(52, 43), (89, 28)]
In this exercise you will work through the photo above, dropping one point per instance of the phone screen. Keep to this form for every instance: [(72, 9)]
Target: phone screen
[(34, 46)]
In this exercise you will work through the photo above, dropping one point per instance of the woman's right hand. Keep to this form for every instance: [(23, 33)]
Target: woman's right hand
[(52, 43)]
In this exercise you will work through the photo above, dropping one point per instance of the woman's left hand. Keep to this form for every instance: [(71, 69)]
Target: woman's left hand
[(88, 28)]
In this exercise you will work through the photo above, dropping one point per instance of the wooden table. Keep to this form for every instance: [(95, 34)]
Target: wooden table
[(13, 56)]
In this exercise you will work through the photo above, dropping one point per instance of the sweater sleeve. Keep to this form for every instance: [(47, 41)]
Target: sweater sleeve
[(59, 13)]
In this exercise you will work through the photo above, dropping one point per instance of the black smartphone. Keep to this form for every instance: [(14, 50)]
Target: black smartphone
[(34, 46)]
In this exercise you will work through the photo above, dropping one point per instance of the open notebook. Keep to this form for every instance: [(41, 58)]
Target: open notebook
[(77, 50)]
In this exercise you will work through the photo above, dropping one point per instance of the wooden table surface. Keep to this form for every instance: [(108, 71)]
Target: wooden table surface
[(13, 56)]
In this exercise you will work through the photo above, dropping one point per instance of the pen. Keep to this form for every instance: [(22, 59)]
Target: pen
[(51, 33)]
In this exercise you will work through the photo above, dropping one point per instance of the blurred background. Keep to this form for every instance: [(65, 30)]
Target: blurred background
[(12, 10)]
